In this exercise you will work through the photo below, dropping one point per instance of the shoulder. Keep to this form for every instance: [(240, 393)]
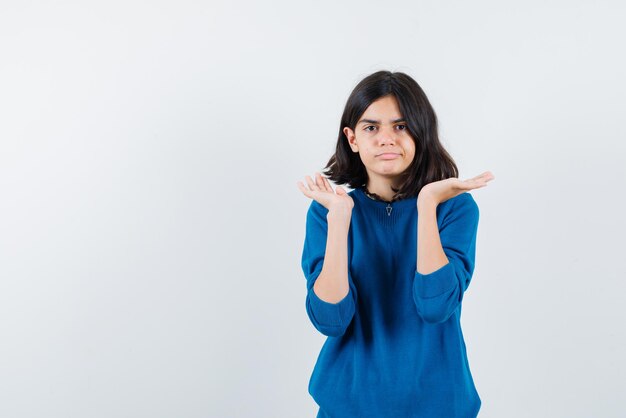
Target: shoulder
[(317, 209), (462, 205), (316, 215), (464, 200)]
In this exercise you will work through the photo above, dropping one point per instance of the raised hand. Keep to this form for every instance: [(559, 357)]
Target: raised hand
[(442, 190), (321, 191)]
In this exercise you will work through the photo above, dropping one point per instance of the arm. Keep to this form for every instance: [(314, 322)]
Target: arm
[(332, 284), (445, 257), (331, 295), (430, 254)]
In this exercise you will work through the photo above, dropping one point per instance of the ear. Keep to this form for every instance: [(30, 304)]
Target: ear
[(349, 133)]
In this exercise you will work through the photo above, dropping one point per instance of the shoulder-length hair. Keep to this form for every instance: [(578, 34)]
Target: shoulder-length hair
[(431, 162)]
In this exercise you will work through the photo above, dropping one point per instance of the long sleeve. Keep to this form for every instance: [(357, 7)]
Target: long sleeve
[(331, 319), (383, 357), (438, 294)]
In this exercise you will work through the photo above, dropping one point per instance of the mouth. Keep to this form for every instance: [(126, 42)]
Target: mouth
[(388, 155)]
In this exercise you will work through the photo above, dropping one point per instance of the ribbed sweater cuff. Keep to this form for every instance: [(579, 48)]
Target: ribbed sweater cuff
[(435, 283), (331, 314)]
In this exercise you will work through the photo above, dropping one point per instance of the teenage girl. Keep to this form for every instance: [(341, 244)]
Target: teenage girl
[(387, 264)]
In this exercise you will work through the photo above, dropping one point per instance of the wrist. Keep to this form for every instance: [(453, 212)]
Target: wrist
[(426, 201), (339, 213)]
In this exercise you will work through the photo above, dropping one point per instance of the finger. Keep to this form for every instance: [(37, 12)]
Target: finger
[(319, 180), (311, 184), (470, 184), (487, 175), (478, 177), (473, 184), (326, 184), (475, 180), (303, 189), (329, 187)]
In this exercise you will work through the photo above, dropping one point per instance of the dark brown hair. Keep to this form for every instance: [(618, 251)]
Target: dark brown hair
[(431, 162)]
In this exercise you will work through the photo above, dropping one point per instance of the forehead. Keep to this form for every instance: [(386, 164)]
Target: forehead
[(387, 106), (382, 110)]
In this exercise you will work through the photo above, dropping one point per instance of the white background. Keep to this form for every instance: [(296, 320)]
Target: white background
[(151, 228)]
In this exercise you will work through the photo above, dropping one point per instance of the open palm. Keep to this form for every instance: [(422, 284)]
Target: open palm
[(321, 191), (442, 190)]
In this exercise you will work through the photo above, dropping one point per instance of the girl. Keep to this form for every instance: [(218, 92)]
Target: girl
[(387, 264)]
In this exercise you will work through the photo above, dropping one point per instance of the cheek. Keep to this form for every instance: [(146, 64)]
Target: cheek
[(409, 146)]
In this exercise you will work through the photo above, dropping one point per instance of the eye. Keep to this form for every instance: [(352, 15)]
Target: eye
[(404, 127)]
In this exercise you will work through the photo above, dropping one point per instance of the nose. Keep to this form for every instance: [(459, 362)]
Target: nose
[(387, 135)]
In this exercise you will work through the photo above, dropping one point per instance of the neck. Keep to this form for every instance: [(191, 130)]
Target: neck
[(381, 190)]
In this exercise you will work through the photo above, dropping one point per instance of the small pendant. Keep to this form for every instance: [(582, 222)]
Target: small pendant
[(388, 209)]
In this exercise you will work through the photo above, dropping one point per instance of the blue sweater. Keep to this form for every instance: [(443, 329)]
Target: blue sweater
[(394, 345)]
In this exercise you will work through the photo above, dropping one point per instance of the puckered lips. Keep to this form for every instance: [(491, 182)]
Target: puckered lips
[(388, 155)]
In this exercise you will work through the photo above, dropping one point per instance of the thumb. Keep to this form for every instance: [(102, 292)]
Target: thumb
[(340, 190)]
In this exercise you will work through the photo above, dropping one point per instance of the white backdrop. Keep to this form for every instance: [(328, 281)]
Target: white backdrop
[(151, 227)]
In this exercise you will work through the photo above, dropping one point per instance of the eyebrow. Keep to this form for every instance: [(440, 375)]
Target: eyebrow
[(378, 122)]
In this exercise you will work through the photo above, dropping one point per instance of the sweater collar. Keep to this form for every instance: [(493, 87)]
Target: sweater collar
[(359, 192)]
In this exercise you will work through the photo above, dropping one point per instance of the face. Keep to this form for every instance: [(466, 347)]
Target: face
[(382, 139)]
